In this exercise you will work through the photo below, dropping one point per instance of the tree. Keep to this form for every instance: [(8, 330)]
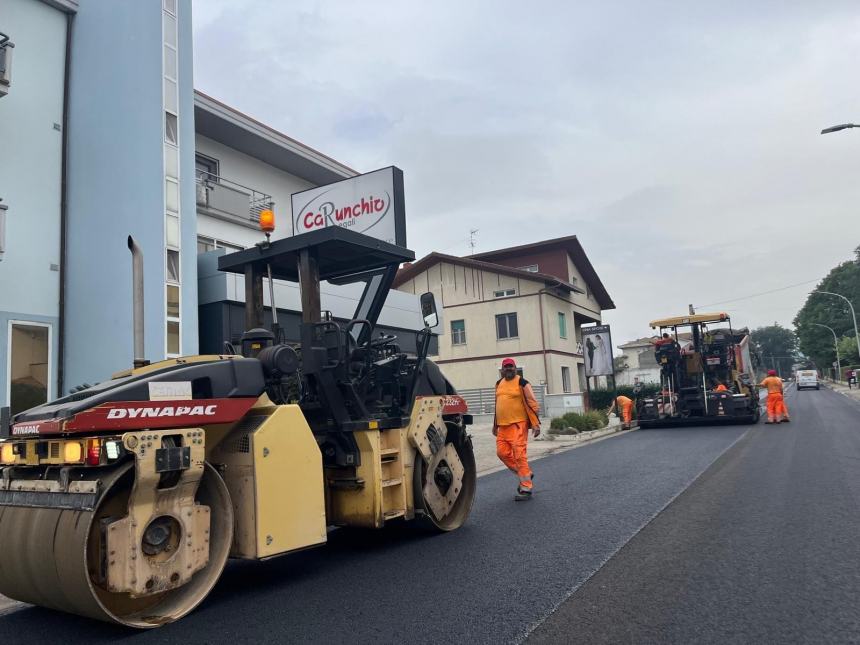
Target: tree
[(816, 342), (777, 347), (848, 350)]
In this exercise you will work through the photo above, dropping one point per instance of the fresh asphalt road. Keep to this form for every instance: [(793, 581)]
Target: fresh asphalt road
[(762, 547)]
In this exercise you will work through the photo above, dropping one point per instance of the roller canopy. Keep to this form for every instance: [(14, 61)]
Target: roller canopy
[(678, 321), (339, 252)]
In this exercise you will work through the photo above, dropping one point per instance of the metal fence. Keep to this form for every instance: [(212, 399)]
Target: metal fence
[(483, 400)]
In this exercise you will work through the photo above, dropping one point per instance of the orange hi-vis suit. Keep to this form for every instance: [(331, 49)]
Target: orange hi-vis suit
[(721, 388), (776, 409), (625, 408), (516, 412)]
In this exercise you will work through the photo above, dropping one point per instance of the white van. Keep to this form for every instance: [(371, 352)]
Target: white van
[(807, 378)]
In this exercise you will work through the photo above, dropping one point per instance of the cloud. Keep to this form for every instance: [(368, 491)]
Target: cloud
[(679, 142)]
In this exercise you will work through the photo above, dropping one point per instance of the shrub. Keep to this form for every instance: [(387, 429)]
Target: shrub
[(578, 422), (601, 398)]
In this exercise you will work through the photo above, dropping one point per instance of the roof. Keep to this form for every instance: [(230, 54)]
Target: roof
[(577, 253), (339, 251), (227, 125), (689, 320), (409, 272)]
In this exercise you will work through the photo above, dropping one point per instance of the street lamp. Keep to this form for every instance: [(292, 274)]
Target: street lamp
[(853, 315), (837, 128), (835, 345)]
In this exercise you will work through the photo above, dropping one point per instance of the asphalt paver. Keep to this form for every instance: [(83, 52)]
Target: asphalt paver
[(763, 548), (491, 581)]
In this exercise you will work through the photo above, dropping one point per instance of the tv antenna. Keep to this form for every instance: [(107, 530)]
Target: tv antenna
[(472, 241)]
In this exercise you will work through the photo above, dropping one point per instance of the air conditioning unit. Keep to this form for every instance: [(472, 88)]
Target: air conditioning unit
[(6, 47)]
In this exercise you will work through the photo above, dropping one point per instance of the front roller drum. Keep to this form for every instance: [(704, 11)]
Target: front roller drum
[(53, 557), (444, 489)]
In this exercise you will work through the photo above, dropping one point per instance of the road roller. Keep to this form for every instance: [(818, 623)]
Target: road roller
[(124, 500)]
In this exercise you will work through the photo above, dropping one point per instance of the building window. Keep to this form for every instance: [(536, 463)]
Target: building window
[(172, 266), (506, 326), (206, 168), (531, 268), (29, 365), (458, 332), (205, 244), (565, 379), (504, 293), (562, 325), (170, 128)]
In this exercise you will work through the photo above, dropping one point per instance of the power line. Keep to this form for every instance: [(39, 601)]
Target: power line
[(756, 295)]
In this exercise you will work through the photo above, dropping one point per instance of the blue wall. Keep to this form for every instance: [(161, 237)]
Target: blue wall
[(187, 192), (31, 118), (116, 185)]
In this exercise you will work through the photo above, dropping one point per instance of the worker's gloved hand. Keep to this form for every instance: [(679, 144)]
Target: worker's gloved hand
[(536, 431), (495, 431)]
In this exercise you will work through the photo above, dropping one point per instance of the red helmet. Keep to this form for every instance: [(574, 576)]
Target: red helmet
[(771, 372)]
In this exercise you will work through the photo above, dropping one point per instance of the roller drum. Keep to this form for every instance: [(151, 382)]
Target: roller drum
[(51, 557)]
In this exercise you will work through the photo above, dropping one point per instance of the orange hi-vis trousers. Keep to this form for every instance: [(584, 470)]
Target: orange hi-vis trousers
[(511, 447), (776, 408)]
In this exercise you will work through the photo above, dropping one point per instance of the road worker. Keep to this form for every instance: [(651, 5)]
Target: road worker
[(516, 413), (777, 412), (624, 405)]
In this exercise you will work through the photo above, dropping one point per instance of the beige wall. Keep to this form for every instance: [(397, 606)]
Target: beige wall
[(467, 294)]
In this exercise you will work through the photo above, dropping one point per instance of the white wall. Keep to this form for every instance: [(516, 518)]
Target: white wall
[(256, 174)]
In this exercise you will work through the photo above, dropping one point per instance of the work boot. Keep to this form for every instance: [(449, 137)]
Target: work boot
[(523, 494)]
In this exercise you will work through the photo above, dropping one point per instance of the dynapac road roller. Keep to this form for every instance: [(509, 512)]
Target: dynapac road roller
[(123, 501)]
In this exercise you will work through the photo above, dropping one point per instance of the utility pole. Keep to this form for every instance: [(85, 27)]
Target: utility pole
[(692, 311)]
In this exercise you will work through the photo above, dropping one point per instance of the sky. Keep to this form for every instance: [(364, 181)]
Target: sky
[(679, 143)]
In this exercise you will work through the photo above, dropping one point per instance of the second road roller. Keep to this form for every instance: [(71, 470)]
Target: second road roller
[(123, 501)]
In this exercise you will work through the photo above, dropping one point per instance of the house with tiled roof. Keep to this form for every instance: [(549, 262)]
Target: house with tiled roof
[(528, 302)]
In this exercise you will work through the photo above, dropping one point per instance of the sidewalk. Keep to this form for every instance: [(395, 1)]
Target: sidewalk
[(853, 393)]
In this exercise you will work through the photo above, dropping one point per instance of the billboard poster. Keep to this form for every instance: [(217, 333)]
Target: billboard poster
[(597, 350), (371, 204)]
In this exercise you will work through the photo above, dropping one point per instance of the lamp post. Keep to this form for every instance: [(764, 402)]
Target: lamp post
[(836, 347), (837, 128), (853, 315)]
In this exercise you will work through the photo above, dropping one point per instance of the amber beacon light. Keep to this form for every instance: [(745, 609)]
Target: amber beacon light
[(267, 220)]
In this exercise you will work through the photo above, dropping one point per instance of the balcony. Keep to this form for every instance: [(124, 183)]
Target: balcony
[(229, 200)]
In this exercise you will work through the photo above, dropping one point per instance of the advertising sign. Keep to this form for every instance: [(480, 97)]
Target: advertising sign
[(597, 349), (371, 204)]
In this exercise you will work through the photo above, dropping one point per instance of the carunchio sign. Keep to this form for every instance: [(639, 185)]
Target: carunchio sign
[(371, 204)]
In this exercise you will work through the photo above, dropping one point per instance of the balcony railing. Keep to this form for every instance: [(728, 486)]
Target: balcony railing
[(229, 200)]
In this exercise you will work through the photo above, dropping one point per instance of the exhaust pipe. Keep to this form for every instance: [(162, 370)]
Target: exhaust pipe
[(137, 300)]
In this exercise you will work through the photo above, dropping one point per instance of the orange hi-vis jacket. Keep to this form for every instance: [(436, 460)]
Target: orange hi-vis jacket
[(773, 384), (721, 388), (516, 402)]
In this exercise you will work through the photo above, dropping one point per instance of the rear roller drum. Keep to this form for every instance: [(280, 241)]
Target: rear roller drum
[(53, 557), (445, 489)]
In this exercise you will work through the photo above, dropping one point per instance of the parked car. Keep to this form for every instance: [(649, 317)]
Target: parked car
[(807, 379)]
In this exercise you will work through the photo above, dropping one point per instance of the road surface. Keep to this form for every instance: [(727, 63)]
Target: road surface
[(732, 533)]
